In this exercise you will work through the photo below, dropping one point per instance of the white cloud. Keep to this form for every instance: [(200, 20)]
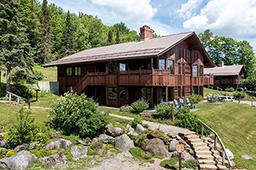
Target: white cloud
[(235, 18), (187, 9), (136, 10)]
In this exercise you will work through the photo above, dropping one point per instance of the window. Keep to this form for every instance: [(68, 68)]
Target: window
[(161, 64), (77, 71), (112, 93), (179, 71), (69, 71), (112, 68), (183, 91), (179, 91), (171, 66), (122, 67), (146, 93), (201, 70), (122, 93), (194, 70), (183, 68)]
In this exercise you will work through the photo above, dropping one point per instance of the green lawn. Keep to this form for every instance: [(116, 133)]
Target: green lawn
[(236, 125), (50, 73), (46, 100), (8, 114)]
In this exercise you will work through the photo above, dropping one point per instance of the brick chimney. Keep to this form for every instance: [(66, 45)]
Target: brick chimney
[(146, 33)]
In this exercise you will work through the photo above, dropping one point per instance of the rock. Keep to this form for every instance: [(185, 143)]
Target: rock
[(85, 142), (3, 151), (229, 154), (140, 128), (105, 138), (123, 143), (99, 148), (155, 146), (247, 157), (21, 147), (147, 113), (19, 161), (58, 160), (152, 135), (185, 155), (58, 144), (2, 143), (78, 152), (172, 145), (131, 131), (33, 145), (114, 131), (1, 131)]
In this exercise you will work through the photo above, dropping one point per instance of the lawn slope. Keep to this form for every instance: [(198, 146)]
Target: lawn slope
[(236, 125)]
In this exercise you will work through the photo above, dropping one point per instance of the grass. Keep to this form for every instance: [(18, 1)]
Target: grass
[(45, 100), (8, 114), (236, 125), (50, 73)]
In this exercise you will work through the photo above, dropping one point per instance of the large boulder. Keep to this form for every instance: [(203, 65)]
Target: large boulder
[(114, 131), (123, 143), (20, 161), (2, 143), (78, 152), (58, 144), (155, 146), (140, 128), (21, 147), (57, 160), (172, 145), (131, 131)]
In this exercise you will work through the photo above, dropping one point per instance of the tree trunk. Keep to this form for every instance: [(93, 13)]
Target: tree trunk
[(0, 81), (8, 80)]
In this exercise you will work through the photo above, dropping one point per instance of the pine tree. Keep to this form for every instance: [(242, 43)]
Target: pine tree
[(15, 47), (117, 36), (68, 37), (45, 45), (110, 37)]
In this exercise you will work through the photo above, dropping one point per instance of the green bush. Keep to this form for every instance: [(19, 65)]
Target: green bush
[(195, 98), (238, 95), (126, 108), (10, 153), (187, 119), (139, 106), (229, 89), (140, 154), (74, 114), (164, 111), (136, 121), (170, 163), (190, 164), (249, 83), (24, 130)]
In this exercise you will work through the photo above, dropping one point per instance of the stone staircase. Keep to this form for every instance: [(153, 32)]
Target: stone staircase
[(208, 158)]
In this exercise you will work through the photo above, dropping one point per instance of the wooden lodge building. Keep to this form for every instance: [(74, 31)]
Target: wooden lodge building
[(226, 75), (156, 69)]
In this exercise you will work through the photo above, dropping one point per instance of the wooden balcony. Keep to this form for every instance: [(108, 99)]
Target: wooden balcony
[(227, 81), (209, 80)]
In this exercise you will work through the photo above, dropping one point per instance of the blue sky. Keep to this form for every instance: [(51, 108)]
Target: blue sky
[(233, 18)]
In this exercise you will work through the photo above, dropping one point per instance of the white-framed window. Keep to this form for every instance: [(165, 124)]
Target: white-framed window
[(122, 67), (161, 64), (69, 71), (77, 71), (194, 70)]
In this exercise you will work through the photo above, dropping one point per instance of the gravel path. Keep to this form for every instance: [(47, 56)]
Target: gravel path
[(172, 130), (125, 161)]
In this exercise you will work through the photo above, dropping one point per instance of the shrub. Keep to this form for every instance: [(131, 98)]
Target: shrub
[(238, 95), (41, 137), (126, 108), (165, 111), (136, 121), (139, 106), (187, 119), (170, 163), (10, 153), (140, 153), (25, 129), (229, 89), (195, 98), (74, 114), (190, 164)]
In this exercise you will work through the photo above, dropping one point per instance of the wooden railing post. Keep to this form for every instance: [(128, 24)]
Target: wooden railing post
[(215, 142), (223, 157), (202, 129)]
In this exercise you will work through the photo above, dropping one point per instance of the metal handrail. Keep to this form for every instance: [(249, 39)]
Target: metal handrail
[(10, 94), (217, 138)]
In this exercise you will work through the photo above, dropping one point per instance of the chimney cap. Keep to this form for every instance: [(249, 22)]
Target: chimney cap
[(146, 32)]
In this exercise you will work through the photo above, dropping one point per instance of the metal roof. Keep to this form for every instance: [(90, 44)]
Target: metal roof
[(231, 70), (151, 47)]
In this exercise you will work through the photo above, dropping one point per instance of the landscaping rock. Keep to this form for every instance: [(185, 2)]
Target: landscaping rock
[(85, 142), (19, 161), (155, 146), (1, 131), (131, 131), (21, 147), (114, 131), (58, 160), (172, 145), (2, 143), (247, 157), (147, 113), (123, 143), (105, 138), (99, 148), (140, 128), (3, 151), (58, 144), (78, 152), (33, 145)]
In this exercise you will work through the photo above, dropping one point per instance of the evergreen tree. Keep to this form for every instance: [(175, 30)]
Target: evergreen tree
[(110, 37), (45, 45), (68, 37), (15, 47), (117, 36)]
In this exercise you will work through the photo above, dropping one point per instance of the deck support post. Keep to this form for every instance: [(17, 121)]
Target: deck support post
[(166, 93)]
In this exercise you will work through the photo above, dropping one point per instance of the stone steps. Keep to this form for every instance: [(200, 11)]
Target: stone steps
[(207, 167), (206, 161)]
